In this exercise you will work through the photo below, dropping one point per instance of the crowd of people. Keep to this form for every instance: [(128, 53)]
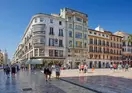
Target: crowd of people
[(13, 69), (120, 66), (84, 67)]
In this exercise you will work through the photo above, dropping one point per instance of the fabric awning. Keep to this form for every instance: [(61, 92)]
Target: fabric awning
[(34, 61)]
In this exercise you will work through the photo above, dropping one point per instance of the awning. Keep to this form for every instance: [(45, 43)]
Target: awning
[(34, 61)]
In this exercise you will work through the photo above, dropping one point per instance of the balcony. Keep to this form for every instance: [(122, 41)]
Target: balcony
[(39, 33)]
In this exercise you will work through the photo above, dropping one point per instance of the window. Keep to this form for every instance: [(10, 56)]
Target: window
[(41, 19), (78, 19), (91, 41), (84, 22), (106, 35), (90, 32), (36, 52), (51, 20), (51, 53), (56, 53), (78, 35), (42, 40), (70, 25), (85, 36), (78, 44), (103, 42), (124, 43), (36, 40), (78, 27), (70, 43), (85, 45), (102, 34), (70, 33), (60, 23), (91, 49), (60, 43), (51, 42), (56, 41), (41, 52), (51, 31), (69, 18), (35, 20), (95, 41), (85, 29), (60, 32), (94, 33), (107, 43), (61, 53)]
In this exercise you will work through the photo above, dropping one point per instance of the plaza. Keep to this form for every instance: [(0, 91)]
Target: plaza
[(71, 81)]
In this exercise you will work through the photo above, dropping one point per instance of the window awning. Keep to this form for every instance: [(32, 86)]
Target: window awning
[(34, 61)]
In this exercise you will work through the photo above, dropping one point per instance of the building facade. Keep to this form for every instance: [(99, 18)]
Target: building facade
[(76, 31), (1, 58), (126, 48), (43, 39), (104, 48)]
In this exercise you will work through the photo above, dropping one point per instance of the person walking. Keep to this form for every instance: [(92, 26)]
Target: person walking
[(93, 68), (119, 66), (126, 67), (46, 73), (7, 70), (85, 68), (111, 66), (57, 69), (50, 71), (4, 69), (13, 70), (79, 67)]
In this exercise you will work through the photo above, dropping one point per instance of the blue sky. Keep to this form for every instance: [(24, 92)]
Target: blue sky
[(112, 15)]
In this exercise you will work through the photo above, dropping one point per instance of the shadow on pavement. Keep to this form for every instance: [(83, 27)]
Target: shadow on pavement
[(102, 83)]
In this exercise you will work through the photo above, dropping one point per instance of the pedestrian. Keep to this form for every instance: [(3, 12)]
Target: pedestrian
[(7, 70), (46, 73), (111, 66), (50, 72), (126, 67), (82, 67), (4, 69), (57, 69), (13, 70), (79, 67), (119, 67), (85, 68), (93, 68)]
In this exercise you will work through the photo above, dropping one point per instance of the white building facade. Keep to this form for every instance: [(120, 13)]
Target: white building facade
[(43, 39)]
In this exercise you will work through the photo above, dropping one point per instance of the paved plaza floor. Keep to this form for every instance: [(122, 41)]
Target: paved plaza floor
[(36, 81), (101, 80)]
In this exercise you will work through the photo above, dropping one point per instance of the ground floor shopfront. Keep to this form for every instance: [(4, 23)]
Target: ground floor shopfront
[(73, 63)]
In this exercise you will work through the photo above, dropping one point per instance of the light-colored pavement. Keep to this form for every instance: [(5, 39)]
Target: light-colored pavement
[(101, 80), (108, 72), (36, 81)]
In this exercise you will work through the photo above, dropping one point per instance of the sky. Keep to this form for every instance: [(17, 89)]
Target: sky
[(112, 15)]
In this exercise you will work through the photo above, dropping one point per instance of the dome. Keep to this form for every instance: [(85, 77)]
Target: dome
[(99, 29)]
